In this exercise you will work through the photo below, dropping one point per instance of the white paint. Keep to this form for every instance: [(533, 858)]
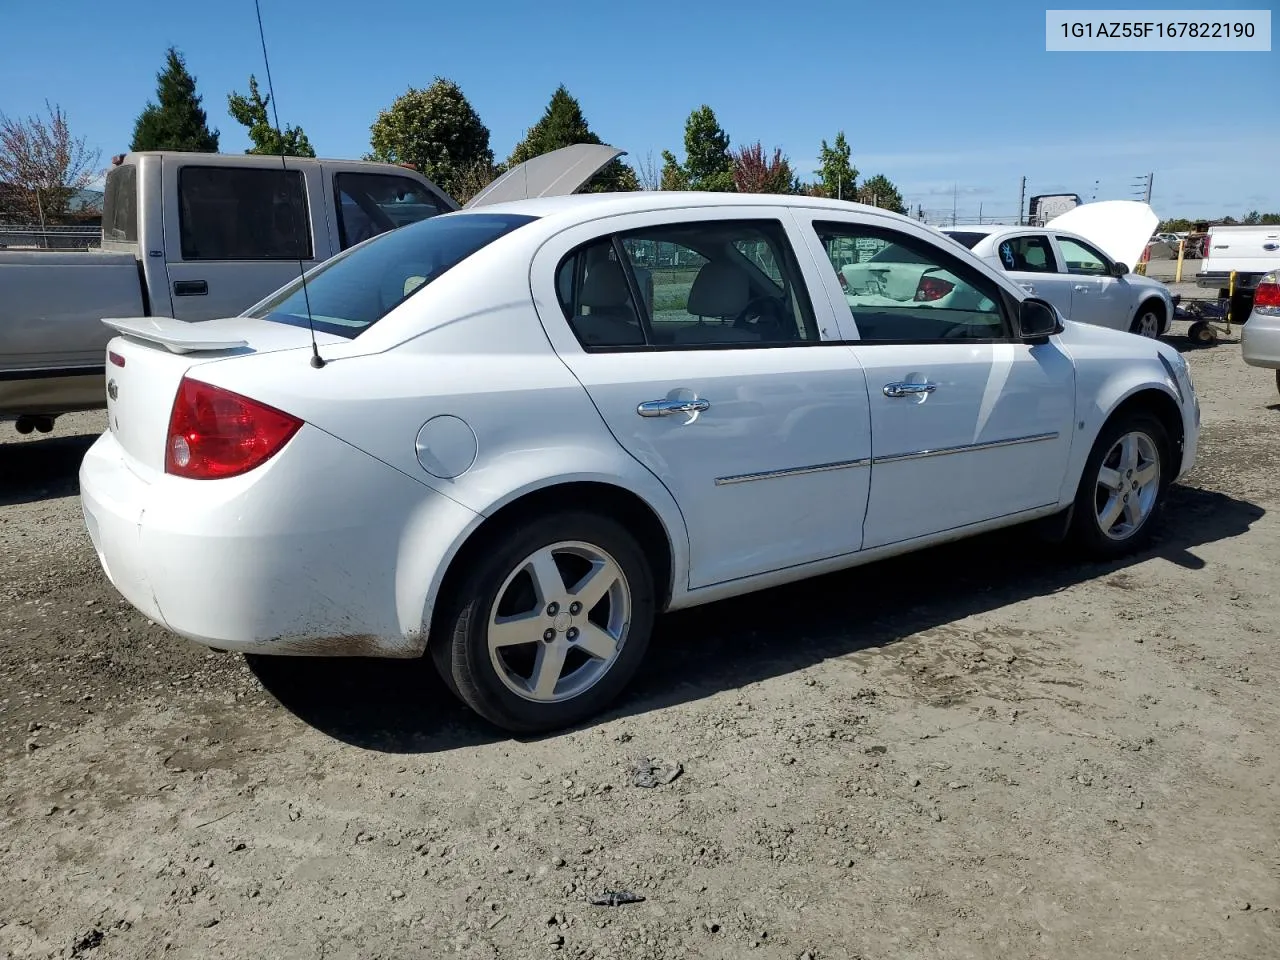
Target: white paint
[(340, 541)]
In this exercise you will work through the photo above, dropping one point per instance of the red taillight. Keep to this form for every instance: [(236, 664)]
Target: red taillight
[(1267, 293), (214, 433), (115, 358), (932, 288), (844, 284)]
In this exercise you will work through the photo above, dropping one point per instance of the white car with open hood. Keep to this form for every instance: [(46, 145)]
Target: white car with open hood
[(1080, 262), (524, 431)]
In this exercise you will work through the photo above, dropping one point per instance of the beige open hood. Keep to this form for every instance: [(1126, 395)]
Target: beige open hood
[(555, 174)]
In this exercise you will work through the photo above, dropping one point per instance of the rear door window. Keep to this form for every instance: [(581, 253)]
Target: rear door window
[(230, 213), (120, 205), (373, 203)]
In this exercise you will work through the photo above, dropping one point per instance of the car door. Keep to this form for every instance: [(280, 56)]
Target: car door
[(697, 337), (1097, 297), (1032, 263), (968, 423), (236, 229)]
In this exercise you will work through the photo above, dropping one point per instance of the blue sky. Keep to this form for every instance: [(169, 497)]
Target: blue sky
[(934, 95)]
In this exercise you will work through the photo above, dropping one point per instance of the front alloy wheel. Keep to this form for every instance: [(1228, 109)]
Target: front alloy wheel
[(1146, 323), (1122, 487), (1127, 486)]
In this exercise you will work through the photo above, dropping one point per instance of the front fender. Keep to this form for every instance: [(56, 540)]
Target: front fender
[(1101, 389)]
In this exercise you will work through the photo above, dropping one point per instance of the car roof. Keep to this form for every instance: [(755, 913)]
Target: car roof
[(589, 206)]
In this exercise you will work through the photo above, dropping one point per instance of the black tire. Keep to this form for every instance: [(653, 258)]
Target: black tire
[(460, 647), (1150, 307), (1086, 534)]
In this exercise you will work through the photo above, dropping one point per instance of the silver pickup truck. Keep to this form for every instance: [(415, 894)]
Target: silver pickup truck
[(197, 236)]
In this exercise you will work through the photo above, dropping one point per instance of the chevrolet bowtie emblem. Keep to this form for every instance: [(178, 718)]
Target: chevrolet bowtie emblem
[(112, 390)]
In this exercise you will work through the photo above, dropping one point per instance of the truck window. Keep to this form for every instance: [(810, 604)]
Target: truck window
[(120, 205), (373, 203), (229, 213)]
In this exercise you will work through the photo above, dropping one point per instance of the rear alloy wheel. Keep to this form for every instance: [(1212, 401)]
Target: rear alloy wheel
[(550, 624), (1123, 486), (1148, 322)]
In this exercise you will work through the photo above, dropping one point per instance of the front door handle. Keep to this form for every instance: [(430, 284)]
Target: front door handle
[(1029, 287), (666, 408), (1081, 288), (908, 389)]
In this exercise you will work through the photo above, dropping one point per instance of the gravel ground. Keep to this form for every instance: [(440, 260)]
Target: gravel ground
[(978, 751)]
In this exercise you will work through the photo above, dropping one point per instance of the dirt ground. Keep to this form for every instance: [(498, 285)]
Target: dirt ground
[(978, 751)]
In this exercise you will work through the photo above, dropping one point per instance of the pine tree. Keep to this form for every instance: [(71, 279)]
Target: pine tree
[(177, 121), (562, 125), (708, 164), (251, 112)]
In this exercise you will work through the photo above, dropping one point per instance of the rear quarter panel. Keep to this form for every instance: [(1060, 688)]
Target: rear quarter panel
[(483, 358)]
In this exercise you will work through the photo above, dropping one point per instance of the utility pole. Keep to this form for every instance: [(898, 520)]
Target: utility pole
[(955, 188), (1150, 178), (1022, 199)]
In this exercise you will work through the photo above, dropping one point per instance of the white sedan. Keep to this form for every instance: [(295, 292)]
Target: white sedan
[(522, 432), (1080, 262)]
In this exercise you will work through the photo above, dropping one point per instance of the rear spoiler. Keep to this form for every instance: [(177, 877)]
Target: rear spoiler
[(178, 336)]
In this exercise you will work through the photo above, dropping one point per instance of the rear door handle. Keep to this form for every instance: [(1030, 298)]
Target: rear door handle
[(190, 288), (1029, 287), (666, 408), (908, 389), (1082, 288)]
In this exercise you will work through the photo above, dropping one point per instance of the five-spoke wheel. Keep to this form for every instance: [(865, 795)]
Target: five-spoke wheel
[(1124, 482), (549, 621)]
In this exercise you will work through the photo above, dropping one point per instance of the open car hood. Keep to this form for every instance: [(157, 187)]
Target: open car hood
[(555, 174), (1121, 228)]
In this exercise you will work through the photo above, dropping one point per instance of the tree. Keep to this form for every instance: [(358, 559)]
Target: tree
[(42, 165), (562, 125), (435, 130), (708, 164), (673, 175), (838, 177), (649, 173), (176, 121), (473, 178), (706, 152), (251, 112), (753, 172), (879, 191)]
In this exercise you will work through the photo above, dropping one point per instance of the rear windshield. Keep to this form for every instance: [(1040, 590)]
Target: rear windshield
[(961, 236), (354, 290), (120, 205)]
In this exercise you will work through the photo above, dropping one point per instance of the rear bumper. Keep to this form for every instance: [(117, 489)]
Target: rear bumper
[(1260, 341), (51, 392), (313, 554), (1221, 280)]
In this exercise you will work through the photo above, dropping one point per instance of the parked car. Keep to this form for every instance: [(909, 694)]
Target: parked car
[(196, 236), (1251, 252), (486, 437), (1080, 263), (1260, 337)]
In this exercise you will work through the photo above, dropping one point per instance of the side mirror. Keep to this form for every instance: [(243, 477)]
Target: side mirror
[(1119, 269), (1037, 320)]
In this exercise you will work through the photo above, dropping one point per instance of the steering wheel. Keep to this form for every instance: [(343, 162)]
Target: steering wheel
[(771, 306)]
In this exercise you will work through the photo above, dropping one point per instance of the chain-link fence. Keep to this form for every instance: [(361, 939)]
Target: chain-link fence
[(19, 237)]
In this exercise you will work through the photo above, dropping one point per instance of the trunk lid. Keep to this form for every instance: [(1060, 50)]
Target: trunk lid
[(555, 174), (150, 355), (1120, 228)]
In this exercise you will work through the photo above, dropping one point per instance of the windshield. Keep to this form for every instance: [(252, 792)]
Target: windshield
[(357, 288), (970, 240)]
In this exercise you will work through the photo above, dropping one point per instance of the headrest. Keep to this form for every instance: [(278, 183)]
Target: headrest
[(605, 286), (719, 290)]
